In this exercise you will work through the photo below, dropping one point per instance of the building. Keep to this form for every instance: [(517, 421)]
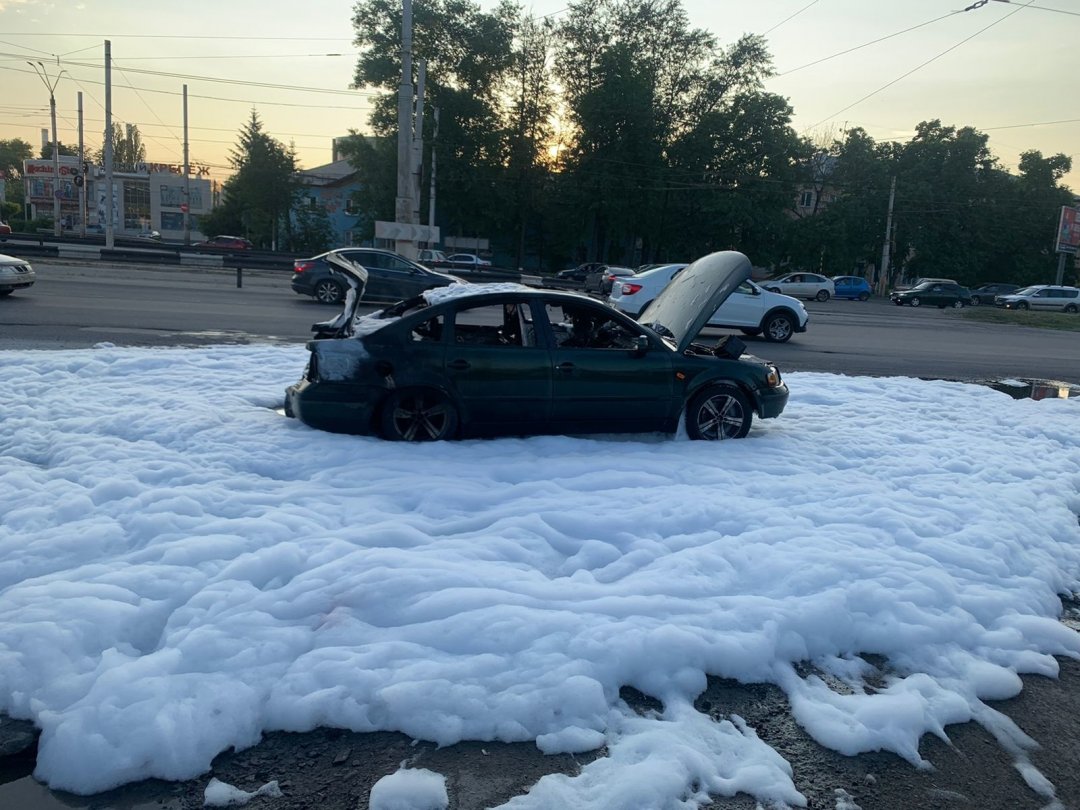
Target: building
[(150, 199), (330, 187)]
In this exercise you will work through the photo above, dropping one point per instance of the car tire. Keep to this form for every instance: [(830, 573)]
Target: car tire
[(719, 412), (418, 415), (864, 296), (773, 289), (328, 291), (778, 327), (1022, 305), (5, 293), (915, 302), (822, 295), (751, 332), (958, 304), (1071, 309), (975, 300)]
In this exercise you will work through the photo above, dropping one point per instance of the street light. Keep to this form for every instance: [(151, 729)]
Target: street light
[(39, 69)]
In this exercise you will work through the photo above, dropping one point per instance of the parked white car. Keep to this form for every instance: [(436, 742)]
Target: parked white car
[(802, 285), (1046, 297), (750, 309)]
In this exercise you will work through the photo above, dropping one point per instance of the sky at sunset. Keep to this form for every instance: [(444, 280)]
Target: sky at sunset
[(1006, 68)]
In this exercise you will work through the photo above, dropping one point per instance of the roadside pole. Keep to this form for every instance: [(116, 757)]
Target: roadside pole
[(110, 236), (403, 209), (883, 280)]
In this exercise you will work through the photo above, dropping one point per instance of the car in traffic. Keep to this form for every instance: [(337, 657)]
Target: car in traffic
[(603, 278), (577, 275), (986, 294), (15, 274), (466, 261), (920, 281), (802, 285), (223, 242), (1044, 297), (933, 293), (750, 309), (429, 257), (505, 359), (5, 231), (390, 277), (854, 287)]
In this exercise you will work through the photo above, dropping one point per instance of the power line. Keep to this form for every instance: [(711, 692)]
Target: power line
[(916, 68), (178, 36), (791, 17)]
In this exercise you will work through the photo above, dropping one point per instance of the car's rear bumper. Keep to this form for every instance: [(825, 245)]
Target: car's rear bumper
[(334, 407)]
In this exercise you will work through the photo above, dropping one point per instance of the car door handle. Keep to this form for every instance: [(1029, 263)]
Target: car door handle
[(566, 367), (458, 365)]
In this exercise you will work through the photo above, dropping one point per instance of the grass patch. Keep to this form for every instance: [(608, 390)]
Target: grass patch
[(1061, 321)]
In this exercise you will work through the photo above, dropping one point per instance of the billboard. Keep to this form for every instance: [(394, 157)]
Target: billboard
[(1068, 235)]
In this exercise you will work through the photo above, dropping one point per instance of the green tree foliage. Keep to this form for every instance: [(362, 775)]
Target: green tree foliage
[(258, 198), (64, 149), (311, 232), (12, 154), (375, 161), (128, 149)]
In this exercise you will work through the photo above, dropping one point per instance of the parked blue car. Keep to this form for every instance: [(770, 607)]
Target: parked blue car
[(852, 287)]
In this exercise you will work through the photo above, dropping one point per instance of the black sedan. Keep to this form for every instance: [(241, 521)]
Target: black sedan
[(933, 293), (603, 279), (985, 293), (390, 277), (477, 360)]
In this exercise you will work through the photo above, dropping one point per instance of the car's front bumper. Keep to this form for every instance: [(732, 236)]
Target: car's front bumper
[(770, 402)]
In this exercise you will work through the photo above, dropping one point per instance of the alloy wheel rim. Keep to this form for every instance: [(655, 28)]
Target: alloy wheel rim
[(326, 292), (779, 328), (421, 419), (720, 417)]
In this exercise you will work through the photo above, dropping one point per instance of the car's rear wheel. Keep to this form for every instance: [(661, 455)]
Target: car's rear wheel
[(1071, 309), (328, 291), (751, 332), (419, 415), (719, 412), (823, 295), (778, 327), (958, 304), (915, 302), (5, 293), (1022, 305), (864, 296), (975, 300)]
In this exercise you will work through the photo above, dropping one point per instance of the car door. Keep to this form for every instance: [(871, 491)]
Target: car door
[(600, 381), (743, 308), (499, 370)]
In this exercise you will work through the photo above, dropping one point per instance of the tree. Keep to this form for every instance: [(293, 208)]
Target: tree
[(128, 149), (259, 196), (12, 154), (64, 149)]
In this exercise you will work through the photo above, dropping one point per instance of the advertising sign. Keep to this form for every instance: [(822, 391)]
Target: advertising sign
[(1068, 235)]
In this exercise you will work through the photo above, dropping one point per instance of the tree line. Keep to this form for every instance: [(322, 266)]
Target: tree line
[(622, 133)]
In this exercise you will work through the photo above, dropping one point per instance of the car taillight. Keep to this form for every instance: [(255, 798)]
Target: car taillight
[(630, 289), (301, 267), (612, 277)]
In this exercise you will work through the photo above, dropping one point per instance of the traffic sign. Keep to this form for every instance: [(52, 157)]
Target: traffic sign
[(184, 207)]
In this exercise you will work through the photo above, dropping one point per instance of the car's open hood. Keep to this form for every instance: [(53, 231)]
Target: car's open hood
[(689, 300)]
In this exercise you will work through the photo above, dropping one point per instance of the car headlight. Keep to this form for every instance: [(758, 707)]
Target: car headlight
[(773, 377)]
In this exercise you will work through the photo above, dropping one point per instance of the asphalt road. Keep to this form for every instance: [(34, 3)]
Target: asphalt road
[(78, 305)]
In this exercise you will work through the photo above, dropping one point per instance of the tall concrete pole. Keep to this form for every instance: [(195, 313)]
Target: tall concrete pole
[(883, 281), (431, 192), (110, 236), (82, 173), (187, 178), (417, 157), (403, 208), (39, 68)]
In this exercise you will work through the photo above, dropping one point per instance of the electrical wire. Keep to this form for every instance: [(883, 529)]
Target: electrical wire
[(792, 17)]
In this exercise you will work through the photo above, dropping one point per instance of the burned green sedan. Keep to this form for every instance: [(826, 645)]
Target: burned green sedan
[(504, 359)]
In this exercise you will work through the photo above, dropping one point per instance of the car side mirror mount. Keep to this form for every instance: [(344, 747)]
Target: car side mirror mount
[(641, 345)]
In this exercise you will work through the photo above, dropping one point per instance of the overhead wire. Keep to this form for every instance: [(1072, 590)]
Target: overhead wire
[(791, 17)]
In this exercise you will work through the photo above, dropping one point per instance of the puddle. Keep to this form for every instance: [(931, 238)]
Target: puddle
[(1034, 389)]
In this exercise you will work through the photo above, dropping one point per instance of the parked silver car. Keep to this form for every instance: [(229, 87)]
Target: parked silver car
[(15, 274), (1047, 297)]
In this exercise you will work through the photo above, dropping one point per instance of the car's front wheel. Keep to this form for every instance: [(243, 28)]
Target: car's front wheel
[(719, 412), (1071, 309), (823, 295), (419, 415), (958, 304), (975, 300), (778, 327), (328, 291), (1022, 305), (915, 302)]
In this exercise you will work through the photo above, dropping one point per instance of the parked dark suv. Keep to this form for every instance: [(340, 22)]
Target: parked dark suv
[(390, 277)]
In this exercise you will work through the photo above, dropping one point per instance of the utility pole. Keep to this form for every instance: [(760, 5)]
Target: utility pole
[(110, 236), (403, 208), (186, 208), (431, 192), (80, 178), (883, 281), (39, 69), (417, 157)]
